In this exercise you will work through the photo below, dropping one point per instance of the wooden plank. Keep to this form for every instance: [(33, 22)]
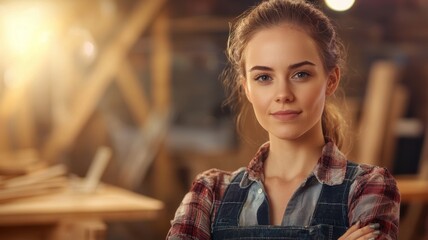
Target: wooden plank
[(375, 111), (96, 169), (98, 80), (107, 202), (31, 190), (143, 150), (397, 110), (132, 92), (412, 189), (160, 62), (20, 162), (34, 177), (163, 167)]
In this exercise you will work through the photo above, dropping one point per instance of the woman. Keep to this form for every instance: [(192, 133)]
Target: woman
[(285, 60)]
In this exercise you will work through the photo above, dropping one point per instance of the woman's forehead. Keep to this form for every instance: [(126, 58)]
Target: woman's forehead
[(283, 43)]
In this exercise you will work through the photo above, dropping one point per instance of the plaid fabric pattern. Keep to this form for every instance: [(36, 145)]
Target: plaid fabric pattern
[(373, 198)]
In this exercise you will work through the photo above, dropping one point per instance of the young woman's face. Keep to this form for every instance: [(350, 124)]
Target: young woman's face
[(286, 83)]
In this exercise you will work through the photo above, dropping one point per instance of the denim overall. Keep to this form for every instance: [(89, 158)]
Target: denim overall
[(329, 220)]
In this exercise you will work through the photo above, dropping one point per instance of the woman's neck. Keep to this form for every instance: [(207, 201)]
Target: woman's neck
[(296, 158)]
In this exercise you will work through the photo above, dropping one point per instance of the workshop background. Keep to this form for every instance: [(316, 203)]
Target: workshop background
[(127, 94)]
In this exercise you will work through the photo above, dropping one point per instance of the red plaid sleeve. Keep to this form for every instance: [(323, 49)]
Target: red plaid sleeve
[(375, 199), (194, 215)]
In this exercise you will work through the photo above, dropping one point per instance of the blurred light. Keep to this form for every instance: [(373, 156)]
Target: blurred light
[(25, 27), (9, 78), (83, 41), (88, 49), (340, 5)]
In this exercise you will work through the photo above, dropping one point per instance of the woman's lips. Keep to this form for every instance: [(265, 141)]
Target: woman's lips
[(286, 115)]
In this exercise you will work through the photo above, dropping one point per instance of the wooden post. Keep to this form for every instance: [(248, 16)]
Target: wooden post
[(375, 113), (397, 110), (160, 63), (164, 169)]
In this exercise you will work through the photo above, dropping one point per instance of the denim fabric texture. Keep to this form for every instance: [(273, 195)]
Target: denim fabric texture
[(329, 219)]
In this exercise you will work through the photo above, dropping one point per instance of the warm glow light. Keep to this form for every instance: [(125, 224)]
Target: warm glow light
[(24, 28), (340, 5), (88, 49), (84, 42), (9, 78)]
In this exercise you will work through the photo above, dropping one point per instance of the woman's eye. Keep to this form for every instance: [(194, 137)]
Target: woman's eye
[(301, 75), (263, 78)]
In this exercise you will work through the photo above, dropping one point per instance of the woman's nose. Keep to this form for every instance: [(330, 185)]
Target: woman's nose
[(284, 94)]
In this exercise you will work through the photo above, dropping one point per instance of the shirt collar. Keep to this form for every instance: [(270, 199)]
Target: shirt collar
[(330, 169)]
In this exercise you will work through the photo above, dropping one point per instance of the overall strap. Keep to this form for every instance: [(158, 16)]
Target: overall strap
[(332, 206), (232, 202)]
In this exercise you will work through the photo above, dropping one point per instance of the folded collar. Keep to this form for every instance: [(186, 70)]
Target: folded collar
[(330, 169)]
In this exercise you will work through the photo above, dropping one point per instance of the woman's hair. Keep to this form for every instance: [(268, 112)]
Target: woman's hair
[(272, 13)]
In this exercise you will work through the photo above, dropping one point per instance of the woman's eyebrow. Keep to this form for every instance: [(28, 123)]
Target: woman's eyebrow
[(299, 64), (292, 66), (261, 68)]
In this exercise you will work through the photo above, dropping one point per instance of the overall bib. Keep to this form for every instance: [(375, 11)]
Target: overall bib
[(329, 220)]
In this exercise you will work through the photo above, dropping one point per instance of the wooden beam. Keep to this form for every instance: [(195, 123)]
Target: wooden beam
[(375, 111), (133, 92), (99, 79), (160, 63), (397, 109)]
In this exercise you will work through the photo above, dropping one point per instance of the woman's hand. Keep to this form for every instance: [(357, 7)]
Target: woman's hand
[(369, 232)]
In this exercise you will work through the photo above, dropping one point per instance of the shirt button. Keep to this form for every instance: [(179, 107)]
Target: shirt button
[(260, 191)]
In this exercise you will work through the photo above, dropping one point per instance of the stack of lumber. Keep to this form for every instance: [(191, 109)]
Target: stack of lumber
[(22, 175)]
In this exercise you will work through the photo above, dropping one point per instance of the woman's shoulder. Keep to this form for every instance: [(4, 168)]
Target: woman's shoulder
[(216, 179), (372, 179), (374, 173)]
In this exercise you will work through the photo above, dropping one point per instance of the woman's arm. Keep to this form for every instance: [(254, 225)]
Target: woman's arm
[(193, 217), (374, 198)]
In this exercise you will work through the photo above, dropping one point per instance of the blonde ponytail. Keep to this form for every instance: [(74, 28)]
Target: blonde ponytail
[(334, 125)]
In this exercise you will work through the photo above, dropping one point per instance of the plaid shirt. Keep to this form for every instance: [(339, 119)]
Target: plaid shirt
[(373, 197)]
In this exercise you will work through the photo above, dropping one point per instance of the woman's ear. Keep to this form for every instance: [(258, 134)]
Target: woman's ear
[(333, 81)]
